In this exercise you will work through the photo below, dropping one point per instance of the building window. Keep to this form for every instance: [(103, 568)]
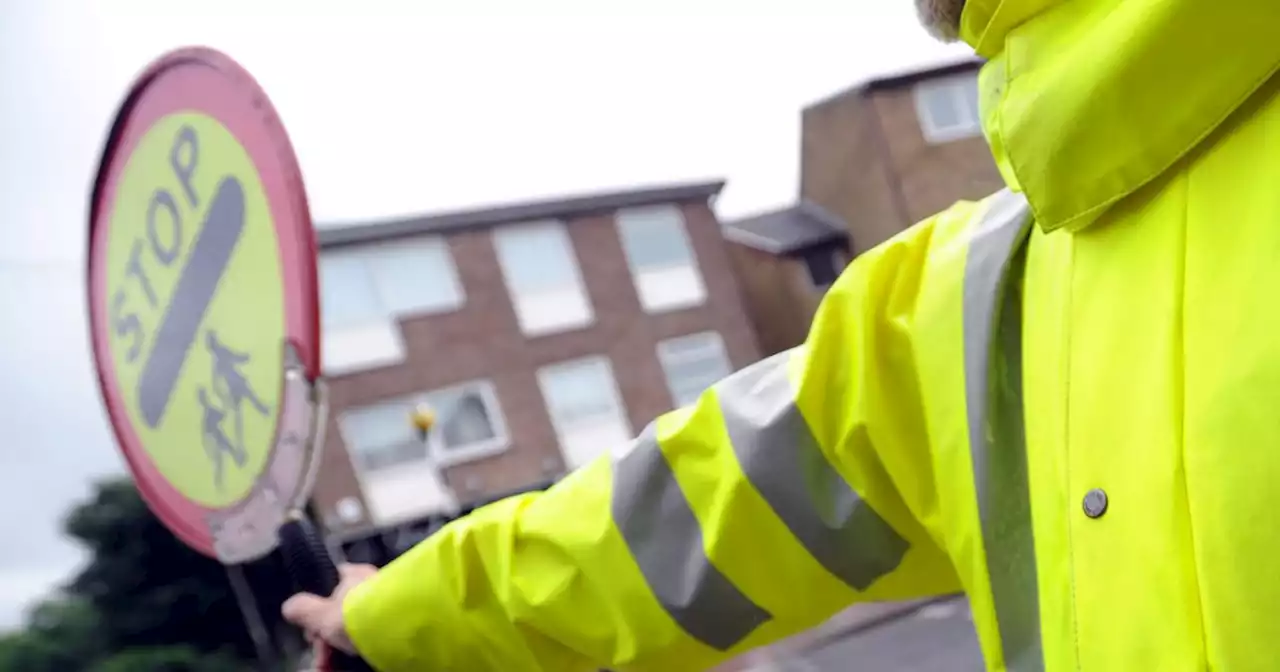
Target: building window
[(469, 425), (586, 408), (415, 278), (348, 294), (692, 364), (381, 437), (661, 258), (948, 108), (400, 474), (542, 276), (366, 290)]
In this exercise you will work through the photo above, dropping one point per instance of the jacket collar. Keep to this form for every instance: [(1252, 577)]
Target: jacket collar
[(1086, 101)]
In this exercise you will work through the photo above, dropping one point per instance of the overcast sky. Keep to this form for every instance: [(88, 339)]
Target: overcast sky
[(392, 111)]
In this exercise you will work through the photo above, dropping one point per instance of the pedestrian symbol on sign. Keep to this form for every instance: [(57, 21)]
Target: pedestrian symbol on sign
[(216, 443), (232, 391), (234, 388)]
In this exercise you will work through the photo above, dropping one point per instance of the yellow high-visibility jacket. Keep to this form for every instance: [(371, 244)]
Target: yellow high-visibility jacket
[(1063, 400)]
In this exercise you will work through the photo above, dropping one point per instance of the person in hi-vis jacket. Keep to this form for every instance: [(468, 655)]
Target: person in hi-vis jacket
[(1063, 400)]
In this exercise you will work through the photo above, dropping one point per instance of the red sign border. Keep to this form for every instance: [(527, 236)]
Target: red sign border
[(209, 82)]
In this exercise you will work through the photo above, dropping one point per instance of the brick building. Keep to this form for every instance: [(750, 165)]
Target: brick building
[(894, 150), (542, 334), (785, 260), (874, 159)]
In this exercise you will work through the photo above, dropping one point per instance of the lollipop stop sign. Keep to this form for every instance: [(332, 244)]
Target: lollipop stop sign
[(202, 294), (204, 314), (226, 381)]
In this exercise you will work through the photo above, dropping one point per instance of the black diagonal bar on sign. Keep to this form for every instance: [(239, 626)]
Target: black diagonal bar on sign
[(223, 226)]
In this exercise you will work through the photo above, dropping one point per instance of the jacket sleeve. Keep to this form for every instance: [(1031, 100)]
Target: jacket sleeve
[(791, 490)]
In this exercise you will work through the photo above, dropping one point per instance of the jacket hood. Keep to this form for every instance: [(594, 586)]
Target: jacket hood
[(1086, 101)]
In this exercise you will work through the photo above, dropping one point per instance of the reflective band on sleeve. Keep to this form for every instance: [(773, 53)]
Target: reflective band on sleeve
[(782, 460), (997, 438), (664, 537)]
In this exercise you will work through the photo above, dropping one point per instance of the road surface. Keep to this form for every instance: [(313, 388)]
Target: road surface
[(936, 637)]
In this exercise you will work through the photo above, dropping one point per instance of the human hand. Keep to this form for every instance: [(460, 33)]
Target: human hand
[(321, 617)]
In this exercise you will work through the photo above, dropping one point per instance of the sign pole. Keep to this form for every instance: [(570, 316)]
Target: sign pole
[(267, 658)]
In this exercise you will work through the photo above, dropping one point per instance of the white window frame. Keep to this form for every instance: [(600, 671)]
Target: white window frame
[(954, 87), (421, 476), (501, 441), (349, 444), (379, 340), (695, 267), (368, 255), (373, 250), (559, 230), (669, 360), (339, 256), (389, 350), (614, 392), (436, 452)]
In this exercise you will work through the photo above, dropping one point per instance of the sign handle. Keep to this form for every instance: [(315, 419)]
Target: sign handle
[(307, 560)]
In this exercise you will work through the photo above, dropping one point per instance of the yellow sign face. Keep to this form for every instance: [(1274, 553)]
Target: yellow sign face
[(195, 303)]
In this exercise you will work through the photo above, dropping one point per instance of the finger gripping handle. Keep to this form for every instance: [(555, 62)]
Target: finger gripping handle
[(307, 560)]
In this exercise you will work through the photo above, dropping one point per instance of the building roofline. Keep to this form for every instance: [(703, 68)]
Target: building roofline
[(749, 239), (824, 215), (583, 205), (732, 231), (904, 77)]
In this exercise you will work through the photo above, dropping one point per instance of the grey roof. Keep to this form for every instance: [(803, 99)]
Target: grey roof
[(801, 226), (901, 78), (911, 75), (337, 235)]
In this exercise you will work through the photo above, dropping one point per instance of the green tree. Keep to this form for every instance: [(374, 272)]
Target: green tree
[(169, 659), (61, 634), (31, 652), (147, 587), (143, 603)]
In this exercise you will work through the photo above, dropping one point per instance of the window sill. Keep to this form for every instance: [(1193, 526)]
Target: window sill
[(362, 347), (451, 457), (540, 330), (942, 136), (674, 305), (428, 311)]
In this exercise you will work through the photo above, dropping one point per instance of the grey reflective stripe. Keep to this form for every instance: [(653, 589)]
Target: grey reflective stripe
[(666, 542), (997, 437), (781, 458)]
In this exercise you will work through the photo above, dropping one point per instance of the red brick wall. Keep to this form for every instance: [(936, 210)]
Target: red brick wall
[(781, 298), (841, 169), (932, 176), (482, 340), (864, 157)]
